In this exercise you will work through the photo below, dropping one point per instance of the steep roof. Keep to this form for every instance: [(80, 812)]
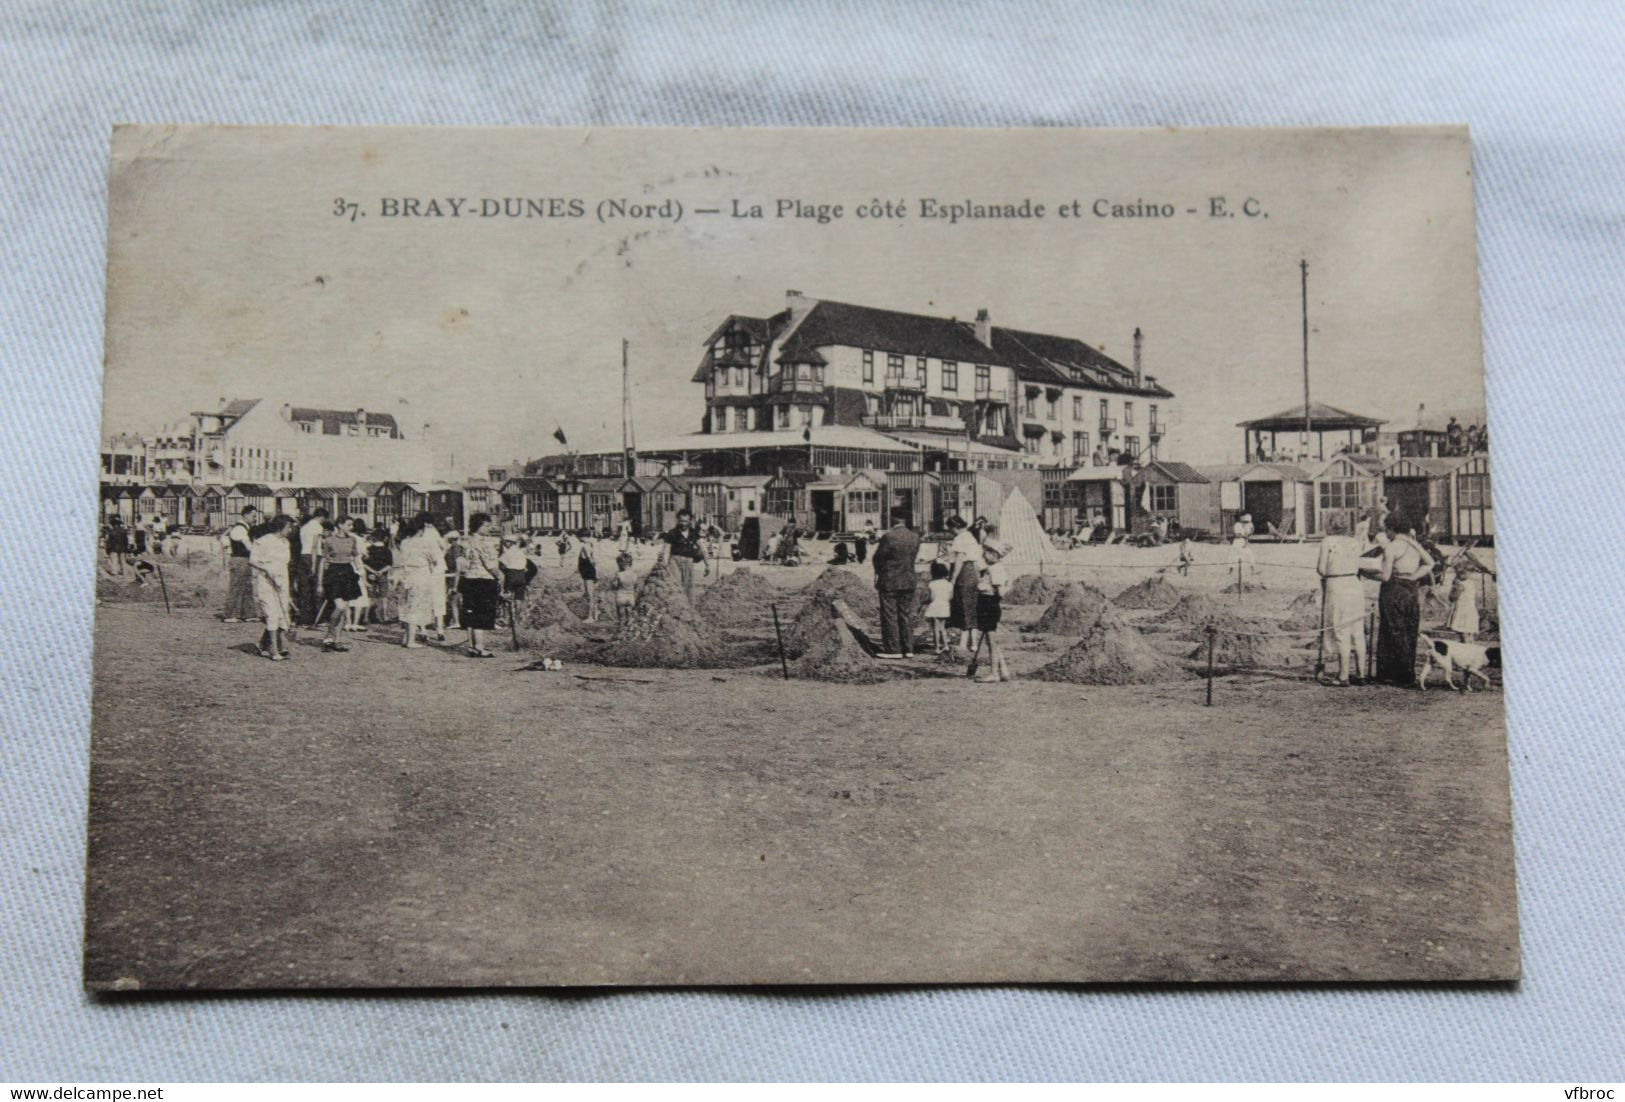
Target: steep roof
[(1179, 472), (1321, 416)]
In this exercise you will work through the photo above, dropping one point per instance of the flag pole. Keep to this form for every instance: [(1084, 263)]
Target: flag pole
[(1308, 422)]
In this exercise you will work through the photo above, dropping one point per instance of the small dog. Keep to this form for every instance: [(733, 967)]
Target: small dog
[(1472, 659)]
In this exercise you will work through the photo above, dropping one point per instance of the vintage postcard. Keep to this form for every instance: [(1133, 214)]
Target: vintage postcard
[(638, 557)]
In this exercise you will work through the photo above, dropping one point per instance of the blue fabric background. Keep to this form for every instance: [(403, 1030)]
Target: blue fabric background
[(1541, 85)]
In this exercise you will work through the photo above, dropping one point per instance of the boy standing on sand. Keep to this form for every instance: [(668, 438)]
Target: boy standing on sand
[(626, 587), (991, 581)]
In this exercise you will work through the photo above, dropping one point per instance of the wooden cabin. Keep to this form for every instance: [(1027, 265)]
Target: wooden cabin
[(334, 499), (1275, 495), (360, 502), (666, 496), (211, 508), (531, 502), (1084, 497), (243, 494), (727, 500), (1172, 492), (1346, 486), (447, 505), (1446, 499)]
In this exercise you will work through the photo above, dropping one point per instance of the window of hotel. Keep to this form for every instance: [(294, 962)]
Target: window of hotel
[(950, 376), (1029, 405), (1164, 497), (919, 369), (1077, 407), (1131, 444), (784, 417), (1030, 445), (1052, 408), (894, 364), (1103, 411), (868, 366), (307, 426), (1080, 445), (741, 419), (984, 379), (1128, 413), (1153, 415)]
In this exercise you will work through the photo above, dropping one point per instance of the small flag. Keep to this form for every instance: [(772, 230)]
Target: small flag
[(558, 434), (806, 434)]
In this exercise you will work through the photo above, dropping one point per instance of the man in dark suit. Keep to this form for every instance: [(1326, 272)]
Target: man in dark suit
[(896, 584)]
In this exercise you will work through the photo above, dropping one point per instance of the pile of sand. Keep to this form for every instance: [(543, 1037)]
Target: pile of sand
[(741, 599), (858, 591), (1111, 653), (1303, 614), (1032, 589), (664, 629), (125, 591), (1154, 592), (1193, 610), (1074, 611), (829, 652), (1242, 645), (549, 623)]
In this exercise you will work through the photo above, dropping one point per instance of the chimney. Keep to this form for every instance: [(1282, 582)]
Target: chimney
[(1139, 340), (361, 417), (798, 304), (984, 328), (287, 411)]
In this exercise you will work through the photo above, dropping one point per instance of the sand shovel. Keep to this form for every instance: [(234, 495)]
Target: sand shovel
[(976, 656)]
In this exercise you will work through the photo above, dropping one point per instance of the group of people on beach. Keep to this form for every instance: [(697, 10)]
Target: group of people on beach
[(965, 592), (1385, 549)]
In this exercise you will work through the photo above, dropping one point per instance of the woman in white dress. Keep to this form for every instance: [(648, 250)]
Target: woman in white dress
[(419, 561), (1343, 598), (268, 560)]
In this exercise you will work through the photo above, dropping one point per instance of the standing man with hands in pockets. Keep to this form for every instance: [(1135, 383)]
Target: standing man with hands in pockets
[(897, 586)]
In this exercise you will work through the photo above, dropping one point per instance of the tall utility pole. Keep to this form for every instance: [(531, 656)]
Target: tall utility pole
[(629, 446), (1308, 422)]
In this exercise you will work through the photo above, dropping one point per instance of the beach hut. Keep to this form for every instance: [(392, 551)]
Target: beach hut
[(861, 498), (1093, 494), (919, 493), (570, 502), (1446, 499), (727, 500), (1174, 492), (243, 494), (1275, 495), (531, 502), (1346, 486), (359, 501), (332, 498), (446, 504), (666, 496), (211, 506), (787, 495)]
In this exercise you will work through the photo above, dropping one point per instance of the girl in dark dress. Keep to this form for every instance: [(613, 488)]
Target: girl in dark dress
[(1399, 604)]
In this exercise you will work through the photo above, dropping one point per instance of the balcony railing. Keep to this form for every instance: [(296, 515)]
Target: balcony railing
[(904, 380), (1156, 430), (795, 384), (912, 421), (1108, 424)]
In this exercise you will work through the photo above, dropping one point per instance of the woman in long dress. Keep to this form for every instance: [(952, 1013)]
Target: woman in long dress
[(1343, 598), (1399, 602), (418, 560), (964, 561), (269, 561)]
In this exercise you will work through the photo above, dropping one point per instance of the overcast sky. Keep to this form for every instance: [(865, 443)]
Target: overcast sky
[(230, 275)]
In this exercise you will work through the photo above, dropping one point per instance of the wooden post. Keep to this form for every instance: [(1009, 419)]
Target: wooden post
[(163, 587), (778, 634), (1212, 632)]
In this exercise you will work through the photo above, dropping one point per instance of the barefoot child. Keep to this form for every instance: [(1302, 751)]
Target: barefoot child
[(338, 576), (941, 604), (626, 587), (991, 581), (1186, 556)]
